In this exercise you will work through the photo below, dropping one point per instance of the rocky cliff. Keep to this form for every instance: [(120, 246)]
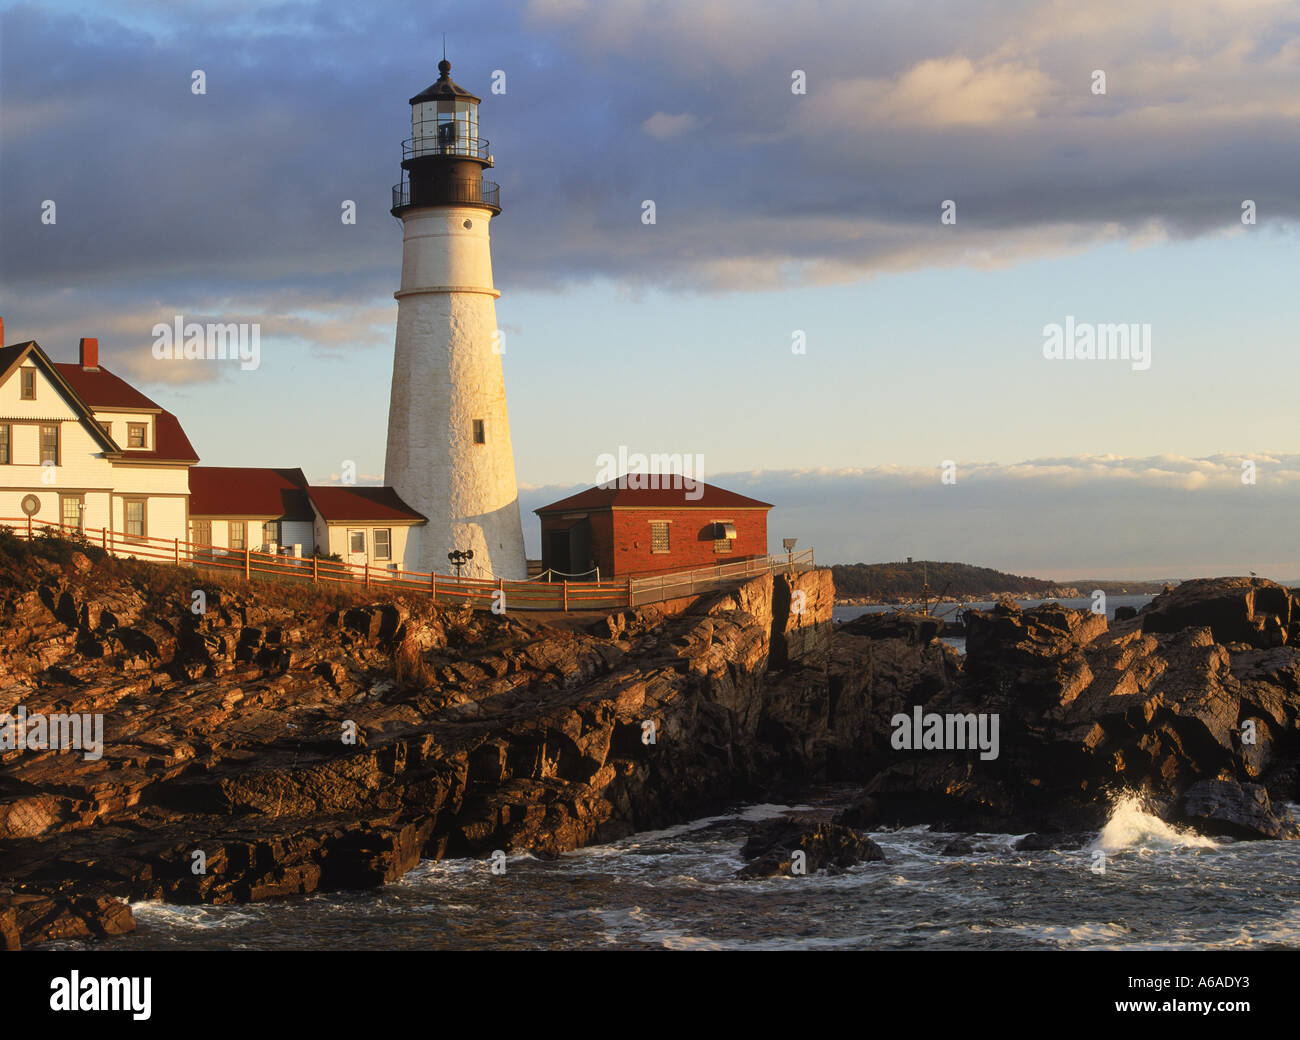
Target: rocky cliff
[(257, 749), (1193, 704), (280, 740)]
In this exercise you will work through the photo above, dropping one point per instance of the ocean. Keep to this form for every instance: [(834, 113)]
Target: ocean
[(952, 611), (1153, 887)]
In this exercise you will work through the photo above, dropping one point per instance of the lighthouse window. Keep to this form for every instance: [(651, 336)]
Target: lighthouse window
[(480, 434)]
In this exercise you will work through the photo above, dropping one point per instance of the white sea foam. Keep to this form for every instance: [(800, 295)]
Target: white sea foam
[(1131, 827)]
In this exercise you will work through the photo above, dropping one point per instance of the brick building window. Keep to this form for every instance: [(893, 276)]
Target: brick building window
[(659, 536)]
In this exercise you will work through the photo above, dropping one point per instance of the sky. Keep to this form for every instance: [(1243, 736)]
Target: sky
[(798, 315)]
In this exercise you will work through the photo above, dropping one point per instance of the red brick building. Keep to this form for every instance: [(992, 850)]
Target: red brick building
[(636, 530)]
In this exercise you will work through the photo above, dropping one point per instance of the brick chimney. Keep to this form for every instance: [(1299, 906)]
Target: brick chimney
[(90, 354)]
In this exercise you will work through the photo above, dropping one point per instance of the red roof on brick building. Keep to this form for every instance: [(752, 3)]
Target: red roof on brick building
[(612, 496), (351, 504), (249, 492)]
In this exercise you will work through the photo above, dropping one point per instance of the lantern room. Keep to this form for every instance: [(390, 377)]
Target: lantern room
[(444, 120), (444, 158)]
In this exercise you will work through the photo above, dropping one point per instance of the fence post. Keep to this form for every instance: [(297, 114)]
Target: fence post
[(246, 563), (177, 546), (433, 586), (29, 527), (367, 574), (315, 570), (629, 593), (564, 593)]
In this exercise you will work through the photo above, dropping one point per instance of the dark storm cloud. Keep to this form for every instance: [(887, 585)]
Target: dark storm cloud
[(229, 202)]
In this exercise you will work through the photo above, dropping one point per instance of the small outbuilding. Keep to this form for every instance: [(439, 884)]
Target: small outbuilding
[(626, 528)]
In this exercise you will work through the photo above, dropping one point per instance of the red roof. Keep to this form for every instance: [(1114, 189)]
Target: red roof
[(350, 504), (104, 391), (100, 389), (611, 496), (279, 494)]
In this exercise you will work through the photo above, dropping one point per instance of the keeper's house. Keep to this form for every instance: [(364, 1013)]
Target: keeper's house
[(634, 529), (91, 448), (98, 454)]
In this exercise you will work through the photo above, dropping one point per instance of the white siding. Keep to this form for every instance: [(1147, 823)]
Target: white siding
[(82, 468)]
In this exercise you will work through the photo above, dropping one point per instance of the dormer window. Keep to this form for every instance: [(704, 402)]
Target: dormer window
[(137, 435), (29, 384)]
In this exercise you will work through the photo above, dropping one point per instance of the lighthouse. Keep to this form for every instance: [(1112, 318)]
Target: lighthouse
[(449, 452)]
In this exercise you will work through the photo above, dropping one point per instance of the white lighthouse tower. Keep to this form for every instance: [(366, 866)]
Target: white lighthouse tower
[(449, 452)]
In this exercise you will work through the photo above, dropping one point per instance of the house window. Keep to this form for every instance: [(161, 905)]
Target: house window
[(5, 434), (137, 434), (480, 434), (29, 384), (357, 542), (659, 536), (201, 532), (49, 443), (271, 532), (238, 538), (383, 543), (108, 429), (135, 519), (71, 510)]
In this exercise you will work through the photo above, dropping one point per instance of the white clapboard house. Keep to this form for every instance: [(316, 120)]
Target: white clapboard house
[(97, 454)]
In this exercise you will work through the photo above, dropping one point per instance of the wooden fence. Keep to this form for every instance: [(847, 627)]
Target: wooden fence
[(478, 592)]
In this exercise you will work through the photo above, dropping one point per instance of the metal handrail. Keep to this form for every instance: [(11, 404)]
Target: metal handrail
[(468, 147), (485, 192)]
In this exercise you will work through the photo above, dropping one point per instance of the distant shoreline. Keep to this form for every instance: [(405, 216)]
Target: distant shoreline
[(1137, 589)]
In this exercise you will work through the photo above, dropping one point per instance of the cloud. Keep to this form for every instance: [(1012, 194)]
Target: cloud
[(662, 126)]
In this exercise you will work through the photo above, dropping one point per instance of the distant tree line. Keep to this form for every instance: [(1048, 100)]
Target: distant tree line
[(890, 582)]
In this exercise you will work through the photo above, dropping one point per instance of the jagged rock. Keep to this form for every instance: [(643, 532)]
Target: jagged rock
[(32, 917), (1085, 709), (1236, 610), (826, 846), (913, 628), (1236, 810), (1046, 842)]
